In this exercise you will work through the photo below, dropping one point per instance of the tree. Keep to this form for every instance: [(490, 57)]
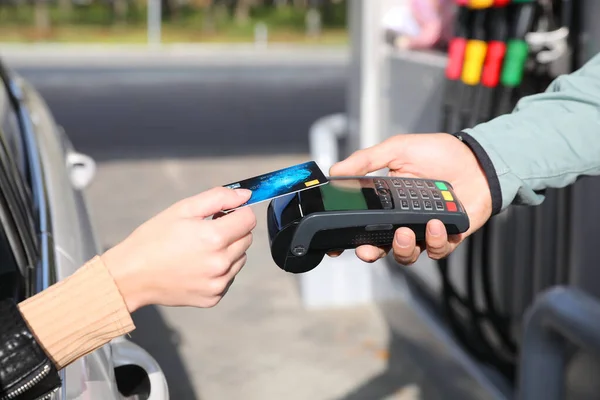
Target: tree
[(64, 8), (242, 11), (300, 3), (42, 17), (120, 9)]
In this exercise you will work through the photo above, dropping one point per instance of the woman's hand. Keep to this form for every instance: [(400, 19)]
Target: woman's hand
[(182, 258)]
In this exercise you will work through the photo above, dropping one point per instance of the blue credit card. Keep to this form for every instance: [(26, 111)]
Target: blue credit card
[(281, 182)]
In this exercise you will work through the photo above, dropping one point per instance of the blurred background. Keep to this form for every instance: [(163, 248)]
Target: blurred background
[(173, 97), (119, 21)]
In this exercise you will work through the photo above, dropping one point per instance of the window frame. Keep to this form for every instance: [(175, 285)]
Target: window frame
[(27, 196)]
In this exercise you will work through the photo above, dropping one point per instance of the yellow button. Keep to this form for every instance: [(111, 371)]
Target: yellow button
[(447, 195)]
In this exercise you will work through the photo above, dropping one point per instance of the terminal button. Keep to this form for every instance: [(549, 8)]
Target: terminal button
[(379, 184), (450, 206), (385, 192), (441, 185), (447, 196), (439, 206), (401, 193)]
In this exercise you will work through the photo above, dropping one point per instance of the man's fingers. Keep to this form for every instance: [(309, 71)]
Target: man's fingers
[(213, 201), (235, 225), (437, 240), (371, 254), (367, 160), (406, 251)]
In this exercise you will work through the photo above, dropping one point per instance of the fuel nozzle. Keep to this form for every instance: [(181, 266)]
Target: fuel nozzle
[(517, 52), (475, 54), (492, 68), (454, 68)]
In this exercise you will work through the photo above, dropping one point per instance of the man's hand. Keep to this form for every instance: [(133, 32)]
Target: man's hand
[(428, 156), (181, 257)]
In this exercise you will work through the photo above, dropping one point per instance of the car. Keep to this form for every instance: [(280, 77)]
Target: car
[(46, 234)]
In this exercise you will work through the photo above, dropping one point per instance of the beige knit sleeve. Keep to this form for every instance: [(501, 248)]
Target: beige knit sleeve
[(78, 314)]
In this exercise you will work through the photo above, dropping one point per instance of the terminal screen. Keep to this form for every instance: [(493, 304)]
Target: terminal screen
[(343, 195)]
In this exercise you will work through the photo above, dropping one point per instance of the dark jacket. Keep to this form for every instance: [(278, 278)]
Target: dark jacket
[(26, 372)]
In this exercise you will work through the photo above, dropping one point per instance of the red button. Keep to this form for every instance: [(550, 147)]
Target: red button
[(451, 206)]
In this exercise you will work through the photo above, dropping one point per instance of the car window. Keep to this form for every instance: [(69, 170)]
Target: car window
[(19, 252), (12, 260), (13, 150), (11, 131)]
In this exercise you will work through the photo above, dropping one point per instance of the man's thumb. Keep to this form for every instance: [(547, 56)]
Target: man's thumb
[(213, 201)]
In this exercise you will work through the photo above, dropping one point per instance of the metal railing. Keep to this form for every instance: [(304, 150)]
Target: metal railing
[(560, 317)]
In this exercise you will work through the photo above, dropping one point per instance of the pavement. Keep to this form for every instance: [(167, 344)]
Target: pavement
[(162, 130), (174, 54), (258, 343)]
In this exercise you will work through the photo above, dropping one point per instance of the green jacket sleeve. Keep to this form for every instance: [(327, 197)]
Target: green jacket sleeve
[(549, 141)]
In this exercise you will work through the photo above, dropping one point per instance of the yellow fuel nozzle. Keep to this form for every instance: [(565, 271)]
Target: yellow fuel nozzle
[(479, 4), (474, 58)]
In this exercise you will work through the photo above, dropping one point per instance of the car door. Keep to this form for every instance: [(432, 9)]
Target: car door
[(24, 185), (49, 178), (24, 266)]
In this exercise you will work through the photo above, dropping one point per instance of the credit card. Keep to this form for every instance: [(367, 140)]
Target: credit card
[(281, 182)]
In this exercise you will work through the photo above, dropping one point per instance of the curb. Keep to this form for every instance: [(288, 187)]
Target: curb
[(61, 54)]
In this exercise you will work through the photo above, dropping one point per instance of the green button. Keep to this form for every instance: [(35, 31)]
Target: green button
[(441, 185)]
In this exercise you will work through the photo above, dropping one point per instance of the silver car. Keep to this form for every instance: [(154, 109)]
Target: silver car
[(46, 234)]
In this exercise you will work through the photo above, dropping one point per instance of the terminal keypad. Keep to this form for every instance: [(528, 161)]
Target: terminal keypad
[(424, 194)]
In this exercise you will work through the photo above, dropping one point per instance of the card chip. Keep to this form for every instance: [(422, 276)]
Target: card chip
[(312, 183)]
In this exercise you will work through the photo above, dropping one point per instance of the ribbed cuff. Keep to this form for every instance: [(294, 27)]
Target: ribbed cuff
[(488, 169), (78, 315)]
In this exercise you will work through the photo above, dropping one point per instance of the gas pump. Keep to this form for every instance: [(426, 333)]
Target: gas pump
[(502, 51)]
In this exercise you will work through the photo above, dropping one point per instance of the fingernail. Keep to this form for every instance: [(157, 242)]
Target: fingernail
[(403, 241), (243, 192), (434, 229)]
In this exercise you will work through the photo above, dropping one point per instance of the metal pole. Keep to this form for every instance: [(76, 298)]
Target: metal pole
[(372, 44), (154, 22), (365, 82), (559, 316), (261, 35)]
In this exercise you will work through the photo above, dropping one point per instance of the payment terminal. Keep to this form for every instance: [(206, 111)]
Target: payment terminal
[(349, 212)]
